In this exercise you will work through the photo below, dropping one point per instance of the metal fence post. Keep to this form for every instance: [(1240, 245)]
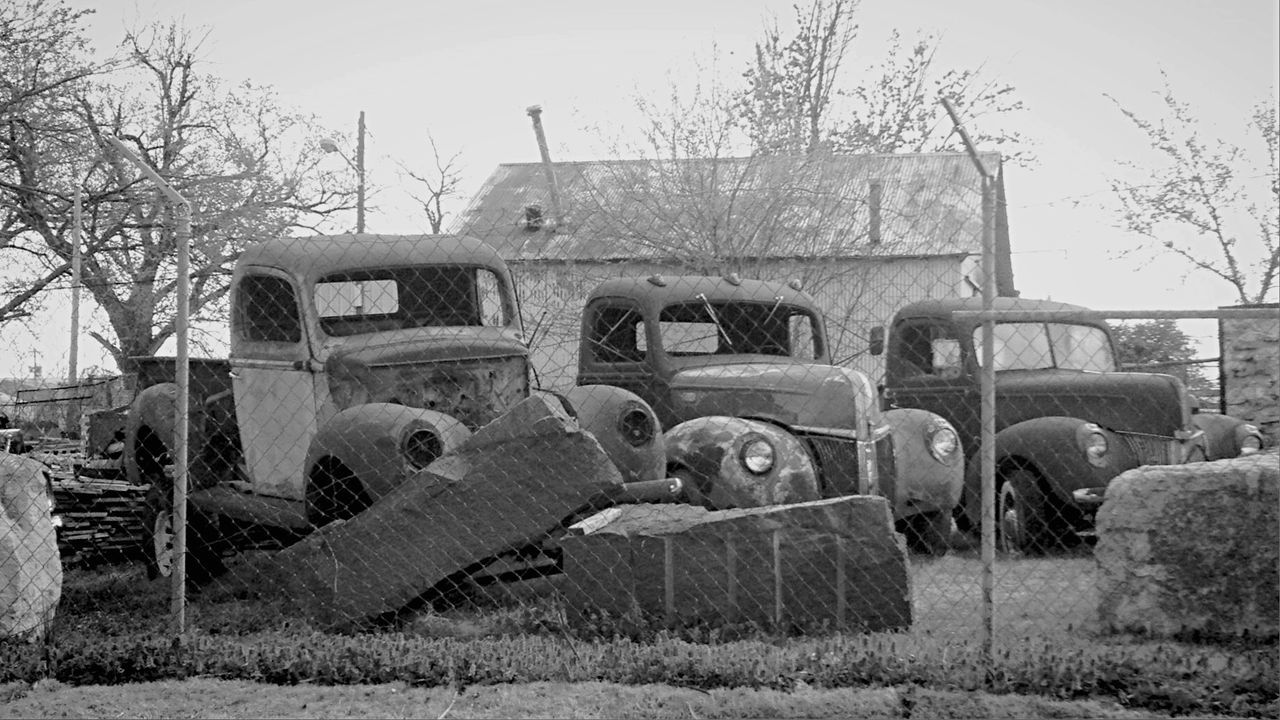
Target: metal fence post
[(181, 378)]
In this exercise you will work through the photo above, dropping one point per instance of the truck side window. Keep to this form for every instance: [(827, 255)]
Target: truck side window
[(617, 334), (927, 350), (267, 310)]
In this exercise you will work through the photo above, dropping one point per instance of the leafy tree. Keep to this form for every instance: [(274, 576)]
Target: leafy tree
[(1160, 346), (795, 100), (1208, 202), (248, 167)]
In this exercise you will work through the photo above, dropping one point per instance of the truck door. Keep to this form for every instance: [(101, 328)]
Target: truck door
[(615, 350), (277, 394), (925, 368)]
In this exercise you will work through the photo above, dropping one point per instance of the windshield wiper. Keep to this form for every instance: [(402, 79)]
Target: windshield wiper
[(715, 319), (777, 300)]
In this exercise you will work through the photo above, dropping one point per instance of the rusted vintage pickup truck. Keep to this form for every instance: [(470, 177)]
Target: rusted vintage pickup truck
[(740, 376), (355, 362), (1068, 420)]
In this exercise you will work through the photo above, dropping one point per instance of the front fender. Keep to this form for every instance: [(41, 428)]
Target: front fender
[(1223, 434), (1049, 446), (924, 483), (706, 453), (625, 426), (368, 441)]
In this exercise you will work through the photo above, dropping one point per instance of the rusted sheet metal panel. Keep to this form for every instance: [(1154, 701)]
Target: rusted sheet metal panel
[(509, 485)]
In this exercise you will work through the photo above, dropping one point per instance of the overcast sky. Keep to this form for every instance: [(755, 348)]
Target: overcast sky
[(466, 70)]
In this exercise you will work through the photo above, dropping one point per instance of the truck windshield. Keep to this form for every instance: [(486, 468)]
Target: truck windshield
[(1035, 346), (380, 299), (708, 327)]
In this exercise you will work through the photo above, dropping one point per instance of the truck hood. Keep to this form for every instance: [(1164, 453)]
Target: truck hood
[(790, 393), (436, 344), (472, 374), (1126, 402)]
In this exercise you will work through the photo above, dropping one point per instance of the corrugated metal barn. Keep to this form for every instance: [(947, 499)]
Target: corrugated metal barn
[(865, 233)]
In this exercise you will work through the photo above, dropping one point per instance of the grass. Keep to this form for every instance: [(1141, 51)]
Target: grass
[(114, 626)]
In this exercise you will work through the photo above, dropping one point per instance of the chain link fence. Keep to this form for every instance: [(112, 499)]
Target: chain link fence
[(407, 433)]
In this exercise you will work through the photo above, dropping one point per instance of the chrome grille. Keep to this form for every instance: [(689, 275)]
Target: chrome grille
[(837, 460), (886, 466), (1152, 449), (473, 391)]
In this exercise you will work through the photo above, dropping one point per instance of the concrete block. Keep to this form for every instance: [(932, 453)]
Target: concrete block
[(1192, 549), (829, 563), (30, 566)]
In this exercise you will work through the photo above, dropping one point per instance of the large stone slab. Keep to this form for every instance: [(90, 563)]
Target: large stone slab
[(514, 481), (1192, 549), (30, 567), (829, 563)]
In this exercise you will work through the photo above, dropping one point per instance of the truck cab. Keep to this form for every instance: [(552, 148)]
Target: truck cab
[(1068, 420), (739, 374)]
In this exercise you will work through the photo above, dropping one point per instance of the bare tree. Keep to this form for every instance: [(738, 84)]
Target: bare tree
[(1208, 202), (791, 81), (796, 100), (44, 62), (249, 168), (442, 184)]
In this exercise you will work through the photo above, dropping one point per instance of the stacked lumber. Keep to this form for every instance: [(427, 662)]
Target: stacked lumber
[(100, 518)]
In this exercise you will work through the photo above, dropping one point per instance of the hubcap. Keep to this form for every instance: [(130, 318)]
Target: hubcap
[(162, 543), (1012, 527)]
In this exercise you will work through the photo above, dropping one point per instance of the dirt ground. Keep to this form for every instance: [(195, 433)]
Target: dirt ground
[(211, 698)]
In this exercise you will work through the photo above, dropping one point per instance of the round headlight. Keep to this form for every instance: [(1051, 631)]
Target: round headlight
[(1094, 444), (636, 426), (422, 447), (943, 443), (757, 456)]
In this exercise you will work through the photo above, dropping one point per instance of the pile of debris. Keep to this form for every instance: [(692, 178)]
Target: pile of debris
[(99, 518)]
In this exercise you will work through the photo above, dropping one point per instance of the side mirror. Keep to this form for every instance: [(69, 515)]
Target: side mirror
[(876, 342)]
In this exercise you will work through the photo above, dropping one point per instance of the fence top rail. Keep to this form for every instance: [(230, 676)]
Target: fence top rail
[(1082, 315)]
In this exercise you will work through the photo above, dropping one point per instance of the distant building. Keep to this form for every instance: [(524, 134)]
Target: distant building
[(865, 233)]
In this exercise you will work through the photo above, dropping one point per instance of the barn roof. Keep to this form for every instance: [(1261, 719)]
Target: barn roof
[(909, 205)]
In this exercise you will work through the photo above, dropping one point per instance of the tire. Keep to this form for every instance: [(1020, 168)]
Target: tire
[(1022, 524), (928, 533), (334, 493), (203, 560)]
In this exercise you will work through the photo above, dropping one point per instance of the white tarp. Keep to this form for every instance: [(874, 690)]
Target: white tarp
[(30, 567)]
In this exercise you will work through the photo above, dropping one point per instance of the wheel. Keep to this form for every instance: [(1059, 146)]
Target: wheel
[(203, 560), (1021, 521), (334, 493), (928, 533)]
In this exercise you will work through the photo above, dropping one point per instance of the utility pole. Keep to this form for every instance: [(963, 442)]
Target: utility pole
[(331, 145), (360, 175)]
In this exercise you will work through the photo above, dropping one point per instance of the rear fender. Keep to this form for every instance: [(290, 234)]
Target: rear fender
[(368, 441)]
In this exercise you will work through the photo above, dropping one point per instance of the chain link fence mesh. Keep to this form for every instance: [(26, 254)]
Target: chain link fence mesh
[(406, 429)]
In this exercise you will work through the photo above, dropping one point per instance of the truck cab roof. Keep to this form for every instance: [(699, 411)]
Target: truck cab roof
[(665, 289), (946, 308), (311, 258)]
